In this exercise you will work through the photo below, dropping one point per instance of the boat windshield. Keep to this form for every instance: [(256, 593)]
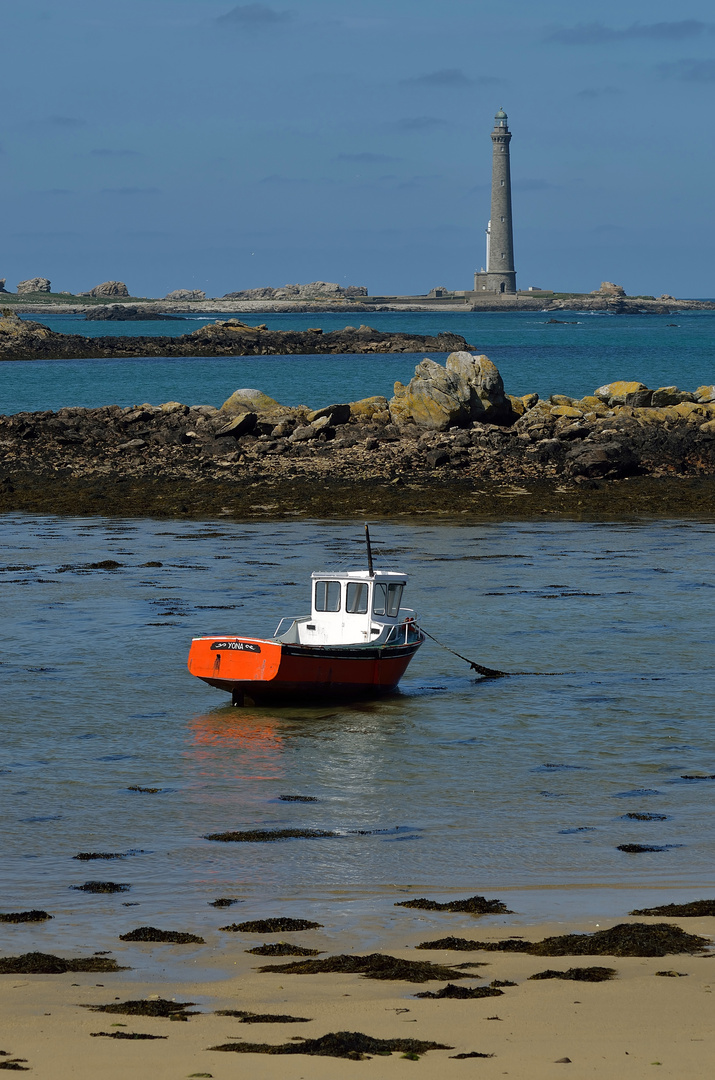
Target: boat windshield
[(356, 598), (327, 596), (386, 599)]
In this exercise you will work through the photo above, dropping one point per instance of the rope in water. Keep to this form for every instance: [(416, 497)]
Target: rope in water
[(487, 672)]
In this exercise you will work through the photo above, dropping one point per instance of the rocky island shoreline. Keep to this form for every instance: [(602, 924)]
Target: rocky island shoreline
[(451, 443)]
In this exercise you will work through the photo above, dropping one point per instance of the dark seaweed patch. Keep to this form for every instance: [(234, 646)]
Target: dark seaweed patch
[(225, 901), (263, 1018), (710, 776), (282, 948), (373, 966), (13, 1065), (154, 1007), (87, 856), (101, 887), (37, 963), (644, 817), (456, 944), (266, 836), (25, 916), (150, 933), (640, 849), (297, 798), (341, 1044), (273, 926), (473, 905), (694, 909), (472, 1053), (145, 790), (452, 991), (578, 974), (672, 974), (105, 564), (635, 793), (502, 982), (124, 1035), (625, 939)]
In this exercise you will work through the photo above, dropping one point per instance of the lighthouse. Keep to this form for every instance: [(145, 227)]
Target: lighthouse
[(500, 275)]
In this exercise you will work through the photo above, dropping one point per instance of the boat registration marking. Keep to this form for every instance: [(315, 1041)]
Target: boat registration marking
[(236, 646)]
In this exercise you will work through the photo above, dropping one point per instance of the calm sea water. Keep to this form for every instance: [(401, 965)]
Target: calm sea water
[(516, 784), (584, 351)]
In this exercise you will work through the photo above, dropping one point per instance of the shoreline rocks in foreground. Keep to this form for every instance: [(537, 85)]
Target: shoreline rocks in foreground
[(24, 340), (451, 442)]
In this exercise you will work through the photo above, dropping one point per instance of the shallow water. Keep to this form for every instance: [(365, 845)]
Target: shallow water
[(514, 784), (582, 352)]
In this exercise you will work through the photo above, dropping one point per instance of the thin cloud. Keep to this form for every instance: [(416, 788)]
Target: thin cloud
[(66, 121), (254, 15), (418, 123), (130, 191), (597, 33), (365, 158), (598, 92), (446, 77), (697, 71), (103, 151)]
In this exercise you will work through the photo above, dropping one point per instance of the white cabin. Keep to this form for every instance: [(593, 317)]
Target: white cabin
[(352, 608)]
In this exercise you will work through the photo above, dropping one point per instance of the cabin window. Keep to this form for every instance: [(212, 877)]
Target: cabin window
[(327, 596), (386, 599), (356, 599)]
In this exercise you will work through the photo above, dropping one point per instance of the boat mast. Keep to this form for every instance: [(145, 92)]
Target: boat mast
[(369, 551)]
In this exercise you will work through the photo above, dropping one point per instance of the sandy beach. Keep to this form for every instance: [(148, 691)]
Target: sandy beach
[(625, 1027)]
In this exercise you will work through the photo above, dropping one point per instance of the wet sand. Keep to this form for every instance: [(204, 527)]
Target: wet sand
[(626, 1027)]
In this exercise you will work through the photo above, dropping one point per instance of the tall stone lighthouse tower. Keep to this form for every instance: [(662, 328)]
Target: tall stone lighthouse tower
[(500, 275)]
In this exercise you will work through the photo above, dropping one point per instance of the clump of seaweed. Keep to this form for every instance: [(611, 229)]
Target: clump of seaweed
[(262, 1018), (633, 816), (13, 1065), (224, 901), (341, 1044), (87, 856), (373, 966), (578, 974), (502, 982), (101, 887), (37, 963), (147, 1007), (695, 909), (150, 933), (297, 798), (452, 991), (640, 849), (625, 939), (672, 974), (25, 916), (266, 836), (473, 905), (456, 944), (471, 1054), (272, 926), (105, 564), (282, 948), (146, 790), (124, 1035)]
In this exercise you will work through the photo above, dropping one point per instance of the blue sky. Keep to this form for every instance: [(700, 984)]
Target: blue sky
[(184, 144)]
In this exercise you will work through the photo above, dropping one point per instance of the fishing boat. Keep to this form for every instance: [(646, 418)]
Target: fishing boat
[(356, 642)]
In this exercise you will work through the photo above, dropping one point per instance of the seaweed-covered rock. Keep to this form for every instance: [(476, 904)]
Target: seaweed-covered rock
[(24, 916), (173, 937), (37, 963), (341, 1044)]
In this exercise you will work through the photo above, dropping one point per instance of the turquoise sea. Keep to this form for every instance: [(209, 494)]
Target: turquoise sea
[(574, 356)]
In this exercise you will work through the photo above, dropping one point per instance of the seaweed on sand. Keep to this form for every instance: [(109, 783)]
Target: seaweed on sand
[(101, 887), (282, 948), (473, 905), (151, 1007), (266, 836), (578, 974), (150, 933), (625, 939), (262, 1018), (452, 991), (25, 916), (456, 944), (272, 926), (342, 1044), (13, 1065), (373, 966), (471, 1054), (37, 963), (695, 909), (125, 1035)]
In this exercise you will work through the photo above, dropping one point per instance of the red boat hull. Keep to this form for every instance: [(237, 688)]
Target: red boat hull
[(254, 670)]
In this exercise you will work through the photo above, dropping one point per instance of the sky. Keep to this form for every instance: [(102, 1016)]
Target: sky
[(207, 145)]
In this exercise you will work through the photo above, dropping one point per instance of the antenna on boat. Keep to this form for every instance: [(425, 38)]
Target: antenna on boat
[(369, 551)]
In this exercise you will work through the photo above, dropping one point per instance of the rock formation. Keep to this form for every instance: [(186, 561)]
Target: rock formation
[(609, 289), (128, 313), (108, 288), (2, 284), (316, 290), (34, 285), (469, 388), (186, 294)]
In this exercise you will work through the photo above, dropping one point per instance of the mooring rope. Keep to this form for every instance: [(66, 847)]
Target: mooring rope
[(488, 672)]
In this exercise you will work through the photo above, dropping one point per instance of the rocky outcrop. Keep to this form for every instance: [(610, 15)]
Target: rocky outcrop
[(108, 288), (127, 313), (20, 340), (316, 290), (607, 288), (2, 284), (468, 388), (186, 294), (34, 285)]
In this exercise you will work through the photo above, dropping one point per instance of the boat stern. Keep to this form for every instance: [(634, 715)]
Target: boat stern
[(226, 661)]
